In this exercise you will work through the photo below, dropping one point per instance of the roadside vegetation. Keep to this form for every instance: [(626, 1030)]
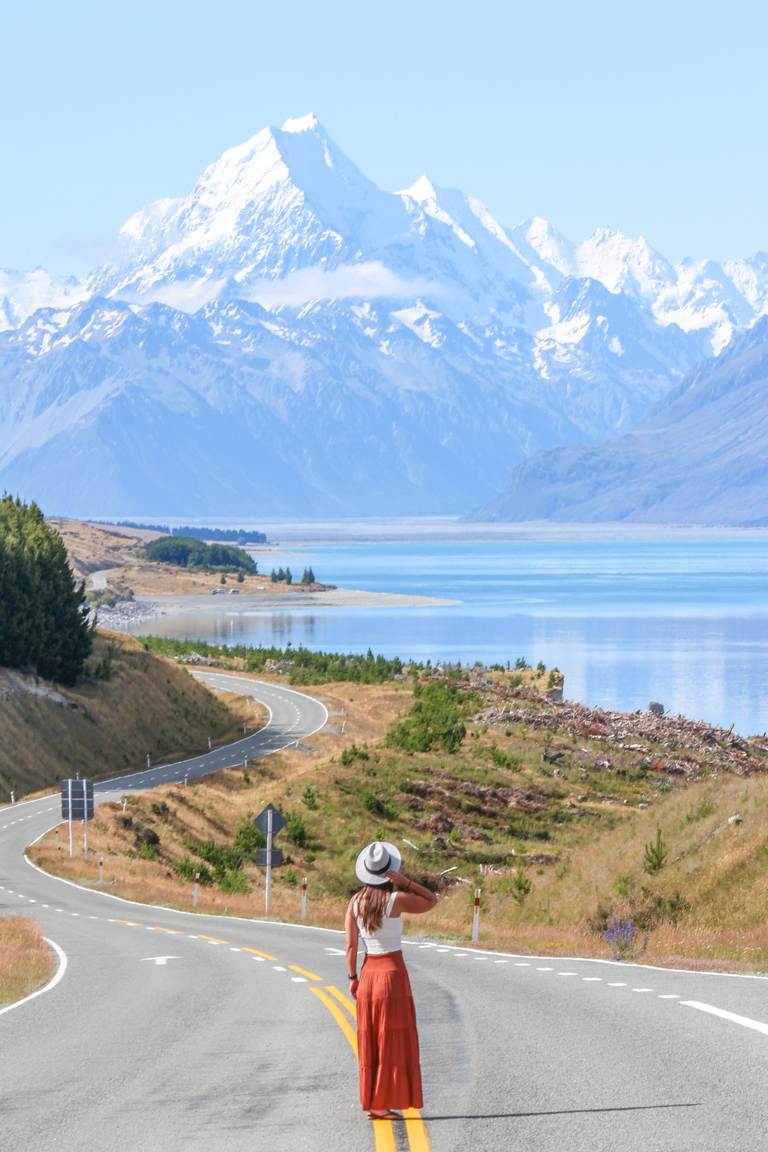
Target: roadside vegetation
[(26, 961), (610, 834)]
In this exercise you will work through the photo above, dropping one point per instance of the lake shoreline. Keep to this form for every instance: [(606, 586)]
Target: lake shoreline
[(140, 609)]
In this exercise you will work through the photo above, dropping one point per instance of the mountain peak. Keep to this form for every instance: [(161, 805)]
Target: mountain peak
[(421, 190), (308, 123)]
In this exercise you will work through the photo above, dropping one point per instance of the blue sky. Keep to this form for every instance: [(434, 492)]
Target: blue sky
[(647, 117)]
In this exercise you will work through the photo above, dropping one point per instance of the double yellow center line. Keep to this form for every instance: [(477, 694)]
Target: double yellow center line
[(342, 1009)]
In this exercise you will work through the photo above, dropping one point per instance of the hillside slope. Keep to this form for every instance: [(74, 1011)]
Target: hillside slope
[(547, 807), (699, 458), (103, 725)]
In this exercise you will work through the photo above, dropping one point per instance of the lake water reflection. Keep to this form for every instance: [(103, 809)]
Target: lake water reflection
[(680, 621)]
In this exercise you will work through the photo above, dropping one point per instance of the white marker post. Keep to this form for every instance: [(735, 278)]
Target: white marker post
[(245, 727), (210, 744), (476, 917), (101, 870), (149, 760), (304, 898), (196, 889), (268, 884), (13, 797), (186, 778), (69, 816)]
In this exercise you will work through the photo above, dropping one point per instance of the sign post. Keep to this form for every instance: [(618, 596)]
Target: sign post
[(268, 884), (304, 898), (77, 804), (269, 823), (69, 818)]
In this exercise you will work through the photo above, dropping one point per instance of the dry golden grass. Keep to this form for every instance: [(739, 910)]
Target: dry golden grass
[(26, 961), (596, 856), (104, 726), (213, 807)]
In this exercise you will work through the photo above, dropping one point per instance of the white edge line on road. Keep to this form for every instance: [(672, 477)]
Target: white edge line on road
[(744, 1021), (51, 983), (621, 964)]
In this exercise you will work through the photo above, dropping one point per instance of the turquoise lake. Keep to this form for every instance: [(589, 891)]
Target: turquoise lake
[(684, 622)]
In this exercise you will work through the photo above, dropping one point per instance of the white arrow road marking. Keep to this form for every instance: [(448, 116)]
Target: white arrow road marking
[(335, 951), (160, 959)]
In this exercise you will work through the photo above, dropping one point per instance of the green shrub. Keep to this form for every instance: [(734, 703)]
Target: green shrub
[(433, 723), (234, 880), (351, 754), (375, 804), (521, 885), (188, 868), (310, 797), (655, 854), (296, 830)]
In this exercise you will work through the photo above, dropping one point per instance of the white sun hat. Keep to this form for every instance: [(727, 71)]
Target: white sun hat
[(375, 861)]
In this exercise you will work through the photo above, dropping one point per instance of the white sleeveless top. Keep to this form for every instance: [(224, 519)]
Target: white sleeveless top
[(388, 936)]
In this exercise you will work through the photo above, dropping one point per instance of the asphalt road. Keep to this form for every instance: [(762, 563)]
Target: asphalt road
[(175, 1032)]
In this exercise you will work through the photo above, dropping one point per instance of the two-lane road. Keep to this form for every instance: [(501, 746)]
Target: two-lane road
[(179, 1032)]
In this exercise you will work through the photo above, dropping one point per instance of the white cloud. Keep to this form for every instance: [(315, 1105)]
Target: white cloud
[(183, 295), (368, 280)]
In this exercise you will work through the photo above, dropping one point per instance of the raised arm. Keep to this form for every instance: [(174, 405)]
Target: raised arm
[(411, 897), (353, 936)]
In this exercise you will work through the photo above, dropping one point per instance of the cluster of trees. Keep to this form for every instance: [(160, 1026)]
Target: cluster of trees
[(281, 576), (285, 576), (224, 535), (187, 552), (44, 624), (306, 666)]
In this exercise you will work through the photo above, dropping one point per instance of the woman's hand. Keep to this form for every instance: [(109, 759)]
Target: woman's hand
[(398, 879), (353, 986)]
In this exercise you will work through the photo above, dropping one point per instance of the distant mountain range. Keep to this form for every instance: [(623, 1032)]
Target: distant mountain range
[(699, 457), (289, 339)]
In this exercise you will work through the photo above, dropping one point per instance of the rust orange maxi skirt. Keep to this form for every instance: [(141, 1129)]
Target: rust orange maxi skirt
[(387, 1040)]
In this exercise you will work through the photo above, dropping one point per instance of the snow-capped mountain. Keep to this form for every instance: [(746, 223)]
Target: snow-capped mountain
[(289, 327), (22, 293), (699, 458)]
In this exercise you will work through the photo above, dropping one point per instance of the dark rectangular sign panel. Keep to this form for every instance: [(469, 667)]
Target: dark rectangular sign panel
[(82, 799), (260, 859)]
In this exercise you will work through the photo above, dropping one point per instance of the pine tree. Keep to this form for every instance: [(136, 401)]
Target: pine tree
[(44, 622)]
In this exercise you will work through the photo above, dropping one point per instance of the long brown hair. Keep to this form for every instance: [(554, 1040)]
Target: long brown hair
[(372, 904)]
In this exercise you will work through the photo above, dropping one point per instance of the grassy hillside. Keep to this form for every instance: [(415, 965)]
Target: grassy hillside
[(550, 809), (131, 703)]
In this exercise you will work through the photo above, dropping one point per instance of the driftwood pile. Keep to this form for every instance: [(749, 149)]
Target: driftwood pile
[(669, 744)]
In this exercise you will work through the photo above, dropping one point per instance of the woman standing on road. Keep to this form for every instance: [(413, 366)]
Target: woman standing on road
[(387, 1040)]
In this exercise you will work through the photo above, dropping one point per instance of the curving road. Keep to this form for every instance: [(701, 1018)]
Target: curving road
[(175, 1032)]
